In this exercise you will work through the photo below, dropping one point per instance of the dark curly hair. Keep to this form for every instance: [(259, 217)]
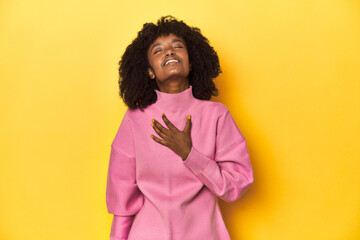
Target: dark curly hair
[(136, 87)]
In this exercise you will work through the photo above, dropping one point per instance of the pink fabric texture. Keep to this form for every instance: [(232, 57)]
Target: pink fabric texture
[(171, 198)]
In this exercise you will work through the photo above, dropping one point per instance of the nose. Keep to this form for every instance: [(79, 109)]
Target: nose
[(170, 51)]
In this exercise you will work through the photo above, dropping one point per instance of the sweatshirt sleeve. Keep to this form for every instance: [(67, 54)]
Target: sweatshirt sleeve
[(123, 197), (229, 174)]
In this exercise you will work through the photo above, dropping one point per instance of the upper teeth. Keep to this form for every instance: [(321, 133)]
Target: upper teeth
[(173, 60)]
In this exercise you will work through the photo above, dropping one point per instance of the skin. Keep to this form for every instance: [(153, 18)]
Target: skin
[(171, 78)]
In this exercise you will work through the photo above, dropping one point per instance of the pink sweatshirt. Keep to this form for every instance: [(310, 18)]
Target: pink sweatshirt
[(171, 198)]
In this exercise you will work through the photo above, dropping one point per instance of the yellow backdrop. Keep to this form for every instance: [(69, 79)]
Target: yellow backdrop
[(291, 79)]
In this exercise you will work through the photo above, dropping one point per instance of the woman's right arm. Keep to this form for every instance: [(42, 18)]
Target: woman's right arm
[(123, 197), (120, 227)]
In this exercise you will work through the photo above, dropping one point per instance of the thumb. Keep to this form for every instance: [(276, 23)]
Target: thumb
[(188, 125)]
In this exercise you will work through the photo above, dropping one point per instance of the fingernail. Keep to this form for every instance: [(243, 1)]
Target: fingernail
[(153, 120), (163, 114), (152, 124), (189, 117), (152, 136)]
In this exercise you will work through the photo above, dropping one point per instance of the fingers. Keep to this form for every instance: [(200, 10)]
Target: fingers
[(156, 126), (158, 140), (187, 127), (168, 123)]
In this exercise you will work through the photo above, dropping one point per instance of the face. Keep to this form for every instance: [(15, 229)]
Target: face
[(169, 59)]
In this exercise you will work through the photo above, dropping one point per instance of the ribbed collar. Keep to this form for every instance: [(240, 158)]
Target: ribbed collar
[(174, 102)]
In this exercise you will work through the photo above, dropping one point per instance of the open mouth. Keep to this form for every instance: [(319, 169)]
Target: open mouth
[(171, 61)]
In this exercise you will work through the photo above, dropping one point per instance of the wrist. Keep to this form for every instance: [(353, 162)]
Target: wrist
[(186, 154)]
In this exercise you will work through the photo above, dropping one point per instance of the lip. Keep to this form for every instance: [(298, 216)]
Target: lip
[(172, 58)]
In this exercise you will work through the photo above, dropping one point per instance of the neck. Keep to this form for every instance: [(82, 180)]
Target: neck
[(173, 86), (175, 102)]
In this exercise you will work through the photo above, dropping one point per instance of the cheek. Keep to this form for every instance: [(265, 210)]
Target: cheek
[(188, 63), (152, 59), (156, 61), (151, 62), (187, 59)]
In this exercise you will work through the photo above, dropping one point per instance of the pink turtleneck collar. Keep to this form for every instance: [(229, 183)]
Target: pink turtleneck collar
[(174, 101)]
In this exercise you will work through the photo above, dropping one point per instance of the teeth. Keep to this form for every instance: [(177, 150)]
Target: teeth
[(173, 60)]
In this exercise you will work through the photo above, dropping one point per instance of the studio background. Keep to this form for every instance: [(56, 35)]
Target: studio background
[(291, 80)]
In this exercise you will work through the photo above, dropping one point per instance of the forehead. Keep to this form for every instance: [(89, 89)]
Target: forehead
[(169, 38)]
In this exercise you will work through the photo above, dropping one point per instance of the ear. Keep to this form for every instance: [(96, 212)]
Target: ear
[(151, 73)]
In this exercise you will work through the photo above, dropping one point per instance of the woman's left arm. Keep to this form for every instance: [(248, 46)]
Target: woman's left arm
[(229, 174)]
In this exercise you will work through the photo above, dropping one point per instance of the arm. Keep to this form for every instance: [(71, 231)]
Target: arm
[(229, 174), (123, 198), (120, 227)]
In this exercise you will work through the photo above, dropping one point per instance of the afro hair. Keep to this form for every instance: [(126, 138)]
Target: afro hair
[(138, 90)]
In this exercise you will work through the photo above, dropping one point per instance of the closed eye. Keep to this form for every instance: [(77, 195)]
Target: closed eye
[(159, 50)]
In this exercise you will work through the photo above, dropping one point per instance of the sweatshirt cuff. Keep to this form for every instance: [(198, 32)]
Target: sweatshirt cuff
[(196, 161), (120, 227), (117, 238)]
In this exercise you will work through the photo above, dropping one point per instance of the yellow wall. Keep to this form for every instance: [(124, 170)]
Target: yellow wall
[(291, 79)]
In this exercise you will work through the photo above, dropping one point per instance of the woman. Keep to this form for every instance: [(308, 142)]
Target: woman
[(175, 152)]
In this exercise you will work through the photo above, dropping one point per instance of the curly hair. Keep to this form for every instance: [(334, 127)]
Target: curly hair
[(138, 90)]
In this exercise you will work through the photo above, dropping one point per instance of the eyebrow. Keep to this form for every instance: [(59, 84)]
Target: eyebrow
[(175, 40)]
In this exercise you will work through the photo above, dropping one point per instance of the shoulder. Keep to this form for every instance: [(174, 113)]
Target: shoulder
[(217, 108), (132, 114)]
